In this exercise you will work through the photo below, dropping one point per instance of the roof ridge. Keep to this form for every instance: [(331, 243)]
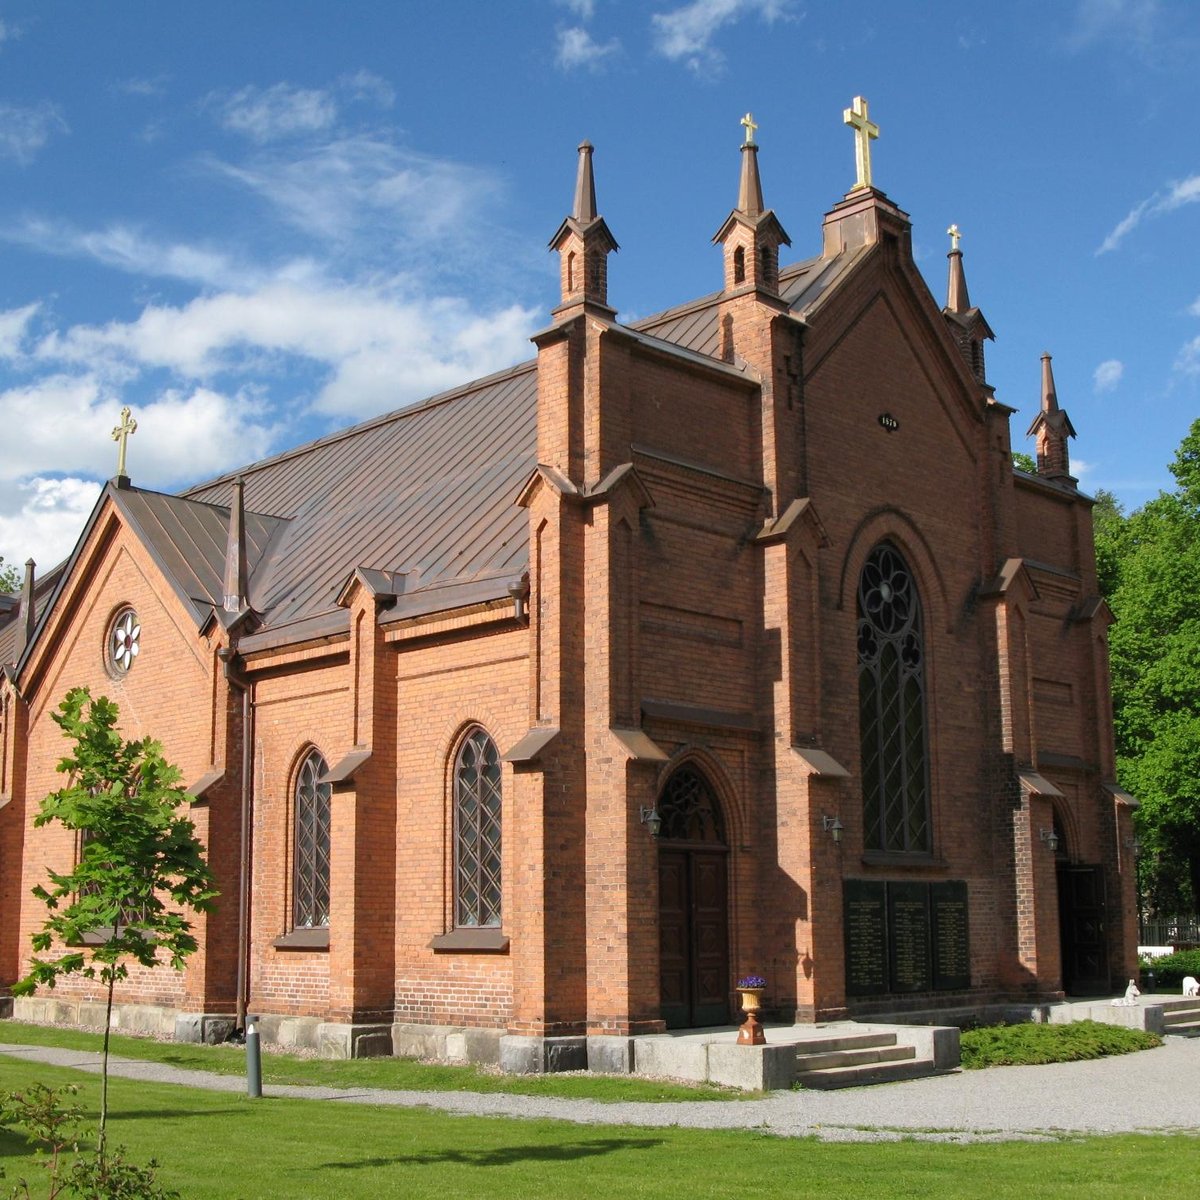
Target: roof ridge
[(396, 414)]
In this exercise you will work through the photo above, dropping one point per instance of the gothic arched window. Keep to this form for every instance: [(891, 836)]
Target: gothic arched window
[(689, 809), (310, 896), (477, 832), (891, 706)]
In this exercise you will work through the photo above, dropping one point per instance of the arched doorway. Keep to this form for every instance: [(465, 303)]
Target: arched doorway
[(693, 917)]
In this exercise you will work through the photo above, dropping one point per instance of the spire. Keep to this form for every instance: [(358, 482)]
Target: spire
[(583, 242), (235, 552), (1051, 427), (1049, 395), (957, 299), (27, 619), (585, 186), (750, 197), (751, 235), (967, 324)]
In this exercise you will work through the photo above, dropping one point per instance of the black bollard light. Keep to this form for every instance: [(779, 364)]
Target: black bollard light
[(253, 1059), (1151, 980)]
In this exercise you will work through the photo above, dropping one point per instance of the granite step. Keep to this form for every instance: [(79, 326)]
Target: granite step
[(868, 1073), (844, 1041), (853, 1057)]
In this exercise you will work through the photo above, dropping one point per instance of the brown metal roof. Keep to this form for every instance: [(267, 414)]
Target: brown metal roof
[(429, 491), (187, 539)]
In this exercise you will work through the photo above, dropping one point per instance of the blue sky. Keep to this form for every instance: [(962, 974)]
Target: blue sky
[(256, 223)]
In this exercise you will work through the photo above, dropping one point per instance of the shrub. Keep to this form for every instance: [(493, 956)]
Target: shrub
[(1024, 1045), (1170, 969), (53, 1122)]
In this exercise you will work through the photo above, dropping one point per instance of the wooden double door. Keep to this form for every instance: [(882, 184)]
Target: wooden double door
[(1081, 924), (693, 935)]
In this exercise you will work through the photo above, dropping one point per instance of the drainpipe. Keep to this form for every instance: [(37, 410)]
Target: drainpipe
[(236, 679)]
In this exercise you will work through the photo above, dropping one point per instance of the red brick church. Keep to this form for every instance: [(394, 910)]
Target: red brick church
[(728, 641)]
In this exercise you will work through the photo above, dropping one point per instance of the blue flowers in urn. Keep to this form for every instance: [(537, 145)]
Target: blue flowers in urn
[(751, 983)]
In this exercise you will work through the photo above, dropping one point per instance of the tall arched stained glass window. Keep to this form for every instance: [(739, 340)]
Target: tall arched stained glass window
[(477, 832), (891, 706), (310, 897)]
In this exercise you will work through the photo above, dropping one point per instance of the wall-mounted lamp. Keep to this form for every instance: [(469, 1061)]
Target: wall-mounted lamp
[(1133, 844), (650, 818), (833, 827), (1050, 838)]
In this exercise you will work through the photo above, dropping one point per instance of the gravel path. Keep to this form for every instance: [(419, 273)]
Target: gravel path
[(1154, 1091)]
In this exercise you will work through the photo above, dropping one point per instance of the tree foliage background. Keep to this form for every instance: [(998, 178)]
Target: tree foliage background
[(1149, 568), (10, 578)]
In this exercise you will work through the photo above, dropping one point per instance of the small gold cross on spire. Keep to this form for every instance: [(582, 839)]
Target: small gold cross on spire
[(748, 122), (955, 236), (865, 131), (120, 435)]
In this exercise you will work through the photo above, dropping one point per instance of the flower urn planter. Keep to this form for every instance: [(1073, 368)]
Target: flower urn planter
[(751, 1032)]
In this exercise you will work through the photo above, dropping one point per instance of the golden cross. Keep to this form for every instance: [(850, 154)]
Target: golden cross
[(748, 122), (955, 236), (865, 132), (120, 435)]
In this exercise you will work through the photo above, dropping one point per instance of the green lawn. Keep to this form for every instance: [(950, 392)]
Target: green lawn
[(220, 1147), (394, 1073)]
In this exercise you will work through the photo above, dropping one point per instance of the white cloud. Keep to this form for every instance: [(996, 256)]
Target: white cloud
[(1132, 22), (43, 517), (141, 86), (14, 328), (577, 48), (1108, 374), (366, 85), (130, 249), (337, 189), (403, 346), (1187, 362), (25, 129), (685, 34), (583, 9), (66, 427), (1176, 195), (280, 111)]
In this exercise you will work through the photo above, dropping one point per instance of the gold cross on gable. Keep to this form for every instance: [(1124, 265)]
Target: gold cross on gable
[(865, 131), (955, 236), (120, 435), (748, 122)]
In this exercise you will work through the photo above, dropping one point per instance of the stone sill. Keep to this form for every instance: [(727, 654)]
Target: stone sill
[(471, 941), (304, 939)]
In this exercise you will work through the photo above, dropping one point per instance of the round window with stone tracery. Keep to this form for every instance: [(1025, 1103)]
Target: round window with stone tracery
[(124, 641)]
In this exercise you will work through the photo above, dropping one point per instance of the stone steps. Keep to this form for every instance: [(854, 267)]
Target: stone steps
[(851, 1057), (1182, 1018), (860, 1060), (843, 1054)]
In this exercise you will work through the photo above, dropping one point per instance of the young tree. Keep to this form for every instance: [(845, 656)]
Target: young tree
[(139, 868)]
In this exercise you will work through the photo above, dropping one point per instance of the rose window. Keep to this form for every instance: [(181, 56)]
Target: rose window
[(124, 640)]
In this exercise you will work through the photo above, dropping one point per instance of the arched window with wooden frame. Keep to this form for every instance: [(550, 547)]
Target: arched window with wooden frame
[(313, 819), (891, 706), (477, 837)]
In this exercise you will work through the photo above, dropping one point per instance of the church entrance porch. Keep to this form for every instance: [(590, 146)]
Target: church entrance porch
[(693, 916)]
